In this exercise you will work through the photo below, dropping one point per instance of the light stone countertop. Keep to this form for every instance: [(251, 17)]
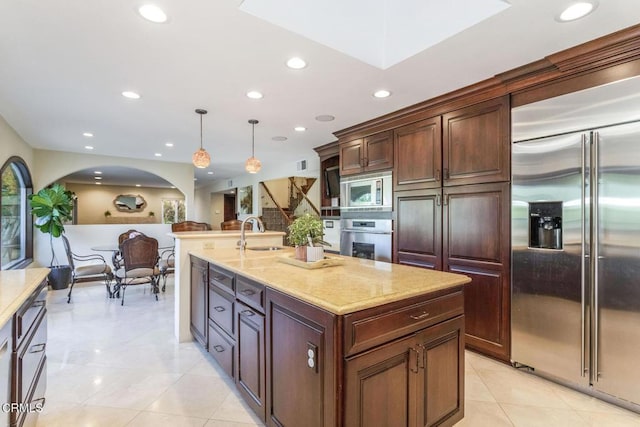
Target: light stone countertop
[(343, 289), (15, 287)]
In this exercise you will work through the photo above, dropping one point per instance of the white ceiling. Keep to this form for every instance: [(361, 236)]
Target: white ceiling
[(64, 63)]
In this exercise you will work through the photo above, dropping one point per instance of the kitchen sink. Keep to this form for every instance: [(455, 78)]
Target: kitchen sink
[(264, 248)]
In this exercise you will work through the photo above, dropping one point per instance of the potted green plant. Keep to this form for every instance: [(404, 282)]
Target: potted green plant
[(52, 206), (305, 231)]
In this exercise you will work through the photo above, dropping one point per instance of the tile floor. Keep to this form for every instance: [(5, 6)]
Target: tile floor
[(121, 366)]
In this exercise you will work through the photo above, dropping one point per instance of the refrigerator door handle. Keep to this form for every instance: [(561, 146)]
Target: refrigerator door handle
[(583, 232), (595, 137)]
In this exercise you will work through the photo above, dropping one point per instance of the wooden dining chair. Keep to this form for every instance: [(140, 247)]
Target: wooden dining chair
[(139, 265), (190, 226), (235, 224)]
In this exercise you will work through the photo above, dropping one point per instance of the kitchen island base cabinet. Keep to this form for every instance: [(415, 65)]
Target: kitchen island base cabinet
[(199, 297), (250, 366), (300, 364), (414, 381)]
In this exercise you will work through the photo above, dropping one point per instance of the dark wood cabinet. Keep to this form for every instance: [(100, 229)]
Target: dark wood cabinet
[(418, 228), (413, 381), (418, 155), (199, 297), (300, 363), (368, 154), (29, 360), (476, 143), (329, 164), (476, 220), (250, 358)]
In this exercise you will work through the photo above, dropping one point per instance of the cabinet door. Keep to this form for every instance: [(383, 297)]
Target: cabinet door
[(378, 151), (418, 155), (199, 291), (380, 386), (476, 143), (351, 157), (297, 369), (476, 238), (250, 374), (418, 229), (441, 380)]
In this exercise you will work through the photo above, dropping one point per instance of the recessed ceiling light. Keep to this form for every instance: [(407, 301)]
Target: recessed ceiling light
[(98, 183), (296, 63), (209, 173), (299, 128), (158, 154), (254, 94), (173, 186), (97, 172), (138, 185), (131, 95), (97, 177), (88, 147), (325, 118), (576, 11), (88, 134), (279, 138), (169, 144), (382, 93), (152, 13)]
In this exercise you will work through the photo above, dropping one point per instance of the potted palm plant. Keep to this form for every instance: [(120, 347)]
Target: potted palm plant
[(52, 206), (304, 232)]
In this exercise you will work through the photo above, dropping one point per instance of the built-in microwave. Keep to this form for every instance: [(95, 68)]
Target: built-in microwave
[(366, 192)]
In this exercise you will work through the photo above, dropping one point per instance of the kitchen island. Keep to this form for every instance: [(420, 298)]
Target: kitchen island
[(358, 344)]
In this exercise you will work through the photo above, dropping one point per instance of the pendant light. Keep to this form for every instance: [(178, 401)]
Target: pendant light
[(201, 158), (253, 165)]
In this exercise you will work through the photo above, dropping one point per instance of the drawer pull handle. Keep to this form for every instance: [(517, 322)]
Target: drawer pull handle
[(218, 348), (37, 348), (219, 308), (218, 278), (37, 405), (37, 304), (247, 292), (424, 315), (248, 312)]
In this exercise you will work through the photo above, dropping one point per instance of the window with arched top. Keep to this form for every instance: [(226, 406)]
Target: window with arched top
[(16, 245)]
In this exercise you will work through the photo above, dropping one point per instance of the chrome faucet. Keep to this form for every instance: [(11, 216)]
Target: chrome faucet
[(242, 243)]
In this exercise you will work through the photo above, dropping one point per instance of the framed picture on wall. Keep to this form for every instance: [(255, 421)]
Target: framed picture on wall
[(245, 195)]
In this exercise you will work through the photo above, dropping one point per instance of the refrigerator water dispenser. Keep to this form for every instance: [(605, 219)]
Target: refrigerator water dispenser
[(545, 225)]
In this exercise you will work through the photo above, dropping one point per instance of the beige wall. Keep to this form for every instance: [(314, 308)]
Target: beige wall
[(94, 200), (11, 144), (217, 210)]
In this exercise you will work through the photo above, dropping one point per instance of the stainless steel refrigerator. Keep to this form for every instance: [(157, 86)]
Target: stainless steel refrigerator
[(576, 239)]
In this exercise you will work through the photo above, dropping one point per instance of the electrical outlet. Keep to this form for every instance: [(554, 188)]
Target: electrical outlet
[(208, 245)]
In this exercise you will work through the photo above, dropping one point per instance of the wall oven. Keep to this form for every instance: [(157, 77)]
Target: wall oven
[(366, 238), (370, 192)]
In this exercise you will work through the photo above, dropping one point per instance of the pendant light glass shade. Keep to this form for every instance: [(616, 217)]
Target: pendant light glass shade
[(252, 164), (201, 158)]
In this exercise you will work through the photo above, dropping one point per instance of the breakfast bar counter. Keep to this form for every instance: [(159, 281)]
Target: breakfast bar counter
[(358, 343)]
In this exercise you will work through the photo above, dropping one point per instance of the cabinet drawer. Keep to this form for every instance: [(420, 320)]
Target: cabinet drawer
[(221, 306), (222, 348), (36, 401), (250, 292), (29, 357), (367, 328), (27, 314), (222, 278)]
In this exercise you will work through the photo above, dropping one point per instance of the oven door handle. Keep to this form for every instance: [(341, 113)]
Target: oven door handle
[(351, 230)]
